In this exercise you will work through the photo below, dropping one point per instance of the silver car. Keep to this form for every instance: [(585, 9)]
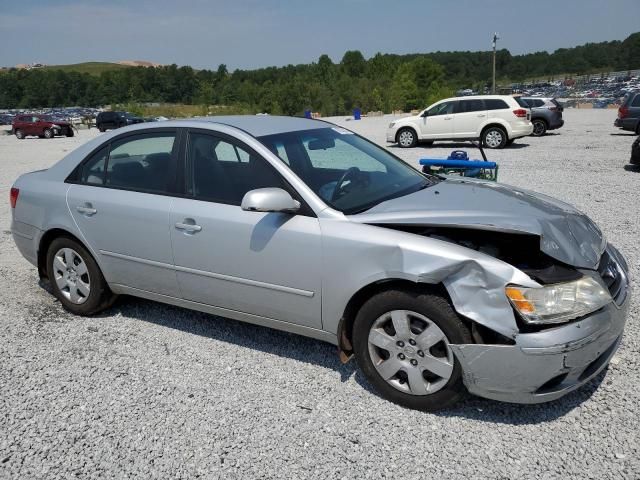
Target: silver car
[(436, 286)]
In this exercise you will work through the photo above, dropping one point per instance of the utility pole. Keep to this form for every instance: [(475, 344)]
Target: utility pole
[(495, 39)]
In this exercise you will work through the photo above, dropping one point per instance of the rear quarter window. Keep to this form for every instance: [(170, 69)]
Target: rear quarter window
[(497, 104), (636, 100)]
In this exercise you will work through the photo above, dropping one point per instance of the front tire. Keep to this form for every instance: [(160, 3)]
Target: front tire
[(76, 279), (539, 127), (407, 138), (401, 342), (494, 137), (19, 134), (48, 133)]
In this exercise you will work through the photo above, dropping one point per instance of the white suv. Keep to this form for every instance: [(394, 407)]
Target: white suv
[(495, 119)]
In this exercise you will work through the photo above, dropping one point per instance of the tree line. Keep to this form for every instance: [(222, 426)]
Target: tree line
[(383, 82)]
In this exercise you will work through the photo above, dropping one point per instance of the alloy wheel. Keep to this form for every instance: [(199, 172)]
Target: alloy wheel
[(410, 352), (538, 128), (71, 275), (493, 139), (405, 138)]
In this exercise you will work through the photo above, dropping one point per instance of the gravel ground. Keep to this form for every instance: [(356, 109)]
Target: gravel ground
[(152, 391)]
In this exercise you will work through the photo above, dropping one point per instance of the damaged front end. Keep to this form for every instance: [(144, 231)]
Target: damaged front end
[(515, 358)]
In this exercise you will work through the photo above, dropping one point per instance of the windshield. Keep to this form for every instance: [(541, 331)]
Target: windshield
[(348, 172)]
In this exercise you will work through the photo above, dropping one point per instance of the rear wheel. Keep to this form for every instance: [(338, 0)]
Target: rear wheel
[(539, 127), (69, 132), (19, 134), (407, 138), (101, 128), (48, 133), (494, 137), (76, 278), (401, 342)]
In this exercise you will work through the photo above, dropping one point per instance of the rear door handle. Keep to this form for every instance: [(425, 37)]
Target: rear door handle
[(482, 115), (448, 118), (86, 209), (188, 226)]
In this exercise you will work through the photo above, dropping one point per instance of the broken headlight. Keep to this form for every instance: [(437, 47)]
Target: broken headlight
[(559, 302)]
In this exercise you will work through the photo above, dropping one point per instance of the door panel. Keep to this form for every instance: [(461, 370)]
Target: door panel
[(265, 264), (439, 123), (129, 232)]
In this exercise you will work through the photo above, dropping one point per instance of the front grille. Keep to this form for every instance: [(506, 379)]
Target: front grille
[(613, 277)]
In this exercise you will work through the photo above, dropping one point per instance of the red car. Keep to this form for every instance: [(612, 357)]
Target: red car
[(43, 126)]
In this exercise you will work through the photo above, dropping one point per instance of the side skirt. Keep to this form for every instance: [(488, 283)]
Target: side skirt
[(227, 313)]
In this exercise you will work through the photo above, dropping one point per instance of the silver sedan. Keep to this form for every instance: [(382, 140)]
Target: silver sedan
[(437, 286)]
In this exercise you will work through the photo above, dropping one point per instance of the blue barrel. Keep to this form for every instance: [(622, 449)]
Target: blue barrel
[(307, 114), (356, 114)]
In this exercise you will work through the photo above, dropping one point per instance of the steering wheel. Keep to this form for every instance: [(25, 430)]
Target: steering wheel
[(351, 172)]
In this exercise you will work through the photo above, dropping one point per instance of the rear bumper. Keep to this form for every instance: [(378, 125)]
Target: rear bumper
[(546, 365), (26, 238), (627, 123), (555, 125), (521, 130)]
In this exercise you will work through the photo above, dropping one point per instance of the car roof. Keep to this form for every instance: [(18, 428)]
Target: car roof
[(260, 125)]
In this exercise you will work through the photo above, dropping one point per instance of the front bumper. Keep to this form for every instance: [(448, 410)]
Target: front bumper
[(391, 135), (546, 365)]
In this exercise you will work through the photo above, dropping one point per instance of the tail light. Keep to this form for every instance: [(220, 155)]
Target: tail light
[(553, 109), (623, 112), (13, 197), (520, 113)]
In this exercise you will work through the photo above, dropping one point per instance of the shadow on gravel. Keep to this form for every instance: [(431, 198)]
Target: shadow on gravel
[(267, 340), (316, 352), (623, 134), (475, 408)]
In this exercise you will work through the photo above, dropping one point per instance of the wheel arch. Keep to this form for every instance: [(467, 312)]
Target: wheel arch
[(407, 127), (495, 123), (43, 246), (345, 326)]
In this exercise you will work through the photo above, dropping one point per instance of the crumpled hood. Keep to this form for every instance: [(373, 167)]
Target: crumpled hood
[(566, 234)]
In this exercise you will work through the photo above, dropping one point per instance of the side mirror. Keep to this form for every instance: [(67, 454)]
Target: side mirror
[(269, 200), (424, 114)]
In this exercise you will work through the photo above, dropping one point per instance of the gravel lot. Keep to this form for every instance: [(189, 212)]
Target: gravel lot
[(152, 391)]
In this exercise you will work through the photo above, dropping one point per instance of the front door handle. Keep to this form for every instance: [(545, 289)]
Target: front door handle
[(188, 225), (448, 118), (86, 209), (482, 115)]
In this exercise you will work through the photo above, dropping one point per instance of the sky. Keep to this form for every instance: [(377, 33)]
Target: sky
[(258, 33)]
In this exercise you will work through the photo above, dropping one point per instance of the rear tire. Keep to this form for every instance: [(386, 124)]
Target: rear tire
[(494, 137), (70, 133), (76, 279), (19, 134), (407, 138), (48, 133), (539, 127), (101, 128), (422, 372)]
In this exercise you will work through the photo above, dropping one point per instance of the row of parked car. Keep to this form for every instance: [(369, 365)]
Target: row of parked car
[(497, 120), (49, 126)]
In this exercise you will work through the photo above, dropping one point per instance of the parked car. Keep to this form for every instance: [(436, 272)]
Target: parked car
[(495, 119), (43, 126), (112, 120), (546, 114), (635, 152), (434, 285), (629, 113)]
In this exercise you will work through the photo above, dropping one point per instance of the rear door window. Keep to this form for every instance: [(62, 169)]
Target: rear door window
[(145, 162), (636, 101)]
